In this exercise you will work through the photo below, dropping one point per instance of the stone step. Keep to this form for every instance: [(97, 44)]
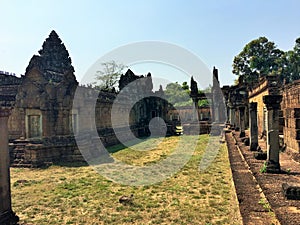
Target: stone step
[(26, 165)]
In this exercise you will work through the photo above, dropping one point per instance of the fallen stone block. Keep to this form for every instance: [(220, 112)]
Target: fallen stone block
[(291, 191), (260, 155), (246, 141)]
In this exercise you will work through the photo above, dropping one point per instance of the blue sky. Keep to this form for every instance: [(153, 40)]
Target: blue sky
[(214, 30)]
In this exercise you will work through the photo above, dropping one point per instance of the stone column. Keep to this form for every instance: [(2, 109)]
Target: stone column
[(242, 121), (236, 119), (253, 126), (231, 116), (273, 105), (7, 216), (196, 113)]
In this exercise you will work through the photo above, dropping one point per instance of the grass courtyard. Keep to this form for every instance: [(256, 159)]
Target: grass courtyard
[(76, 194)]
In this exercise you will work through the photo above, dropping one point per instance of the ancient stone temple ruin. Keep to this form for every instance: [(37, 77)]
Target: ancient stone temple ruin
[(42, 124), (39, 125), (46, 117)]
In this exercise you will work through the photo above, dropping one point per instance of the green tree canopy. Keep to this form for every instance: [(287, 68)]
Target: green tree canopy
[(179, 95), (292, 63), (259, 58)]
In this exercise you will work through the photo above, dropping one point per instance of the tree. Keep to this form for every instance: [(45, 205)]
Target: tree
[(185, 86), (109, 75), (177, 95), (203, 103), (292, 63), (259, 58)]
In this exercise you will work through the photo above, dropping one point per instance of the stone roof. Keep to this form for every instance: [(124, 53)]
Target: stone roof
[(9, 85)]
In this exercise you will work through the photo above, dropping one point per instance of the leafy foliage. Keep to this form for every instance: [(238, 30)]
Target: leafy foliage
[(259, 58), (292, 63), (179, 95), (203, 103), (109, 75)]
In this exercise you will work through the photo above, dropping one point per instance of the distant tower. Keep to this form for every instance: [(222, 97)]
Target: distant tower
[(195, 97), (218, 108)]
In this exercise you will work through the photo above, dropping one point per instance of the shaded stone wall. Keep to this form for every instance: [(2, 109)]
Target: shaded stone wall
[(291, 113), (9, 85)]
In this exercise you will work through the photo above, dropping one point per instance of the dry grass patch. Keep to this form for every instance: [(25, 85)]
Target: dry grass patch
[(79, 195)]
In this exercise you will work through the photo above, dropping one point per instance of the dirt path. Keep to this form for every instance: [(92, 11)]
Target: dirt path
[(248, 192), (287, 211)]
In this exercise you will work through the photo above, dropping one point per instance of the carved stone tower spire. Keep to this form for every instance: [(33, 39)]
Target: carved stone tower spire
[(53, 59)]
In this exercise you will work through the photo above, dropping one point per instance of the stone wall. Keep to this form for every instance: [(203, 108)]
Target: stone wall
[(204, 113), (291, 113)]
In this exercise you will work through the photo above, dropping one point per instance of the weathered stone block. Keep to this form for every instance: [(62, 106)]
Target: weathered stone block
[(291, 191), (260, 155)]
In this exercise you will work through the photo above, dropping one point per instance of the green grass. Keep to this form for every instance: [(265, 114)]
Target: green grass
[(78, 195)]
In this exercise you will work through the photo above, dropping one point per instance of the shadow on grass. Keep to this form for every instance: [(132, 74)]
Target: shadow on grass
[(111, 149), (119, 147), (69, 164)]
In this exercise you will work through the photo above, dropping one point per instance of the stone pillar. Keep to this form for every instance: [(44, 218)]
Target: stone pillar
[(7, 216), (253, 126), (236, 119), (227, 114), (273, 105), (242, 121), (231, 116), (196, 113)]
